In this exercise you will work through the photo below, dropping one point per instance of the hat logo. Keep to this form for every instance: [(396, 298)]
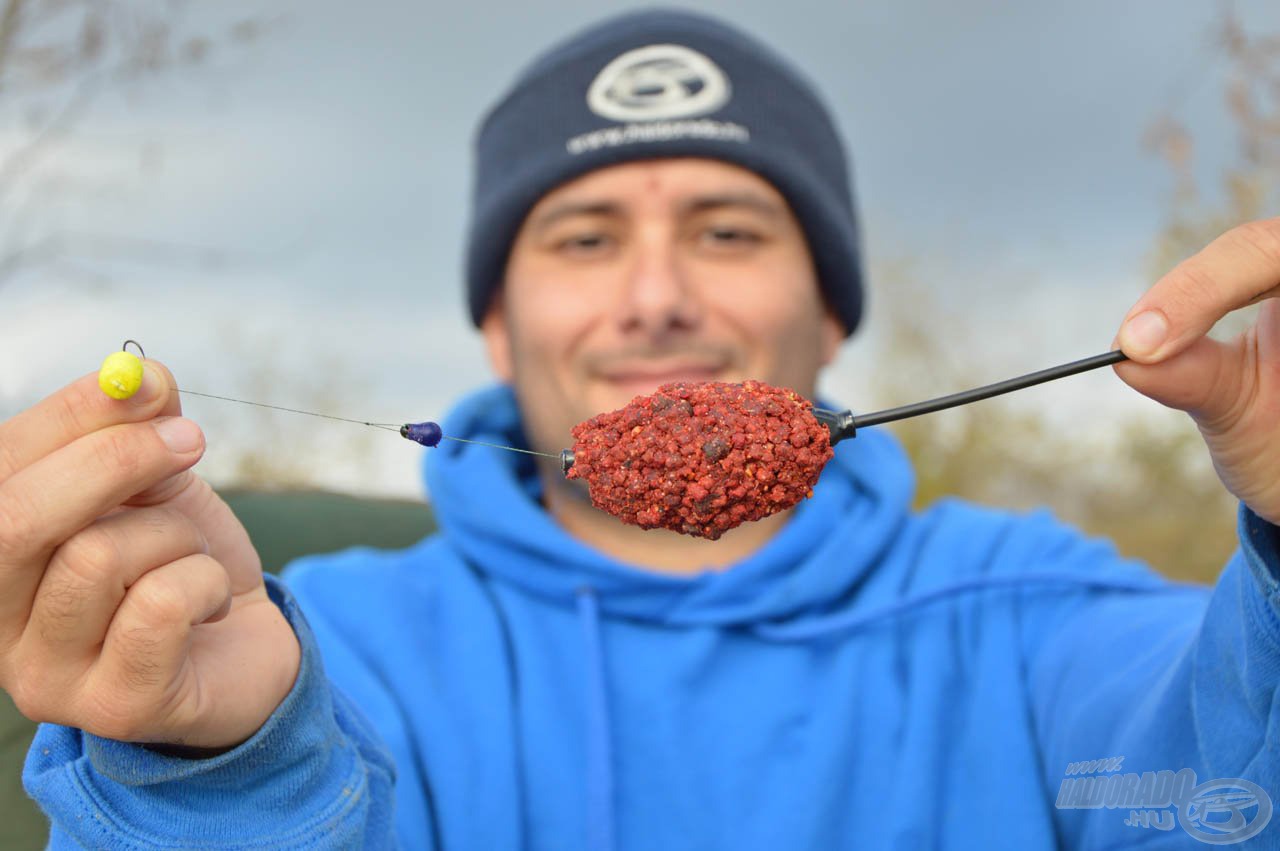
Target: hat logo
[(660, 81)]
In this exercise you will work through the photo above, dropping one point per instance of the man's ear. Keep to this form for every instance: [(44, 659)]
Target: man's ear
[(497, 339)]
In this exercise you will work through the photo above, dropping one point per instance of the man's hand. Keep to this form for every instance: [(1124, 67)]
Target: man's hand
[(1232, 390), (131, 600)]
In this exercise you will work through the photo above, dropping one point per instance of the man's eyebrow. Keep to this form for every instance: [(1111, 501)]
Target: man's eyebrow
[(750, 200), (698, 204), (569, 209)]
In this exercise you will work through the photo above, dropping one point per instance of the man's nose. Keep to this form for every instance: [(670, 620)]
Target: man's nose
[(658, 298)]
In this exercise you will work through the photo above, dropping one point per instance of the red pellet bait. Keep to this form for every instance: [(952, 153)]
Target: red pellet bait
[(701, 458)]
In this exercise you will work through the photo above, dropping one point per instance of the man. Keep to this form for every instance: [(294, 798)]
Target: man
[(660, 198)]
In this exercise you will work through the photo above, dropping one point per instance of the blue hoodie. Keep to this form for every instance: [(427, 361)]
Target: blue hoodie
[(870, 678)]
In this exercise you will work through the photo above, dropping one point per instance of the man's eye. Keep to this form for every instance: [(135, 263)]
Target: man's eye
[(584, 243), (730, 236)]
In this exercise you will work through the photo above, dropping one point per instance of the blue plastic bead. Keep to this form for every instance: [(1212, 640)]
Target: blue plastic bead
[(428, 433)]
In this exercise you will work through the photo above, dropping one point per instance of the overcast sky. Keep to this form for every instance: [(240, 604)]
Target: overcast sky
[(996, 148)]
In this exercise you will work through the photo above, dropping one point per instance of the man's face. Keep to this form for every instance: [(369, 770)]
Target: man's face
[(648, 272)]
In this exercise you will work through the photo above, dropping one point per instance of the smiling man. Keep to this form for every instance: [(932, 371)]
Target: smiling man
[(642, 273), (659, 198)]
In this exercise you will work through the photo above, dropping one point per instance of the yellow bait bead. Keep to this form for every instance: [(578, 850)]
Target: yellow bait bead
[(121, 375)]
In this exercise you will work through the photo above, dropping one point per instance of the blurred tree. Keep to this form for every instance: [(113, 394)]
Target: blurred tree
[(271, 450), (58, 58), (1151, 489), (1250, 187)]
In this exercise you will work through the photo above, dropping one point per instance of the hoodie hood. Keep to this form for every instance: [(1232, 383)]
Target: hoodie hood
[(861, 499)]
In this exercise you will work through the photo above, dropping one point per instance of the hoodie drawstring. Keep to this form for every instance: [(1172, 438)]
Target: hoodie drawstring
[(599, 741)]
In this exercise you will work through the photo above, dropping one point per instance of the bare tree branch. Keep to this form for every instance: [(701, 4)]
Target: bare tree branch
[(26, 156), (8, 30), (58, 58)]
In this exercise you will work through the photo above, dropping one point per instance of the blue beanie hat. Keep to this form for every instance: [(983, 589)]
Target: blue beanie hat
[(663, 83)]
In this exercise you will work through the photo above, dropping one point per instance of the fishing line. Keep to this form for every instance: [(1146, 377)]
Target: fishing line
[(425, 433), (500, 446), (121, 378), (406, 430), (387, 426)]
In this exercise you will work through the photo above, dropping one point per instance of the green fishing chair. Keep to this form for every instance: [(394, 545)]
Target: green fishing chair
[(283, 526)]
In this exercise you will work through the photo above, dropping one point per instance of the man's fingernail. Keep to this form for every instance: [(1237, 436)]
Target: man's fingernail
[(179, 434), (1144, 333), (152, 386)]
